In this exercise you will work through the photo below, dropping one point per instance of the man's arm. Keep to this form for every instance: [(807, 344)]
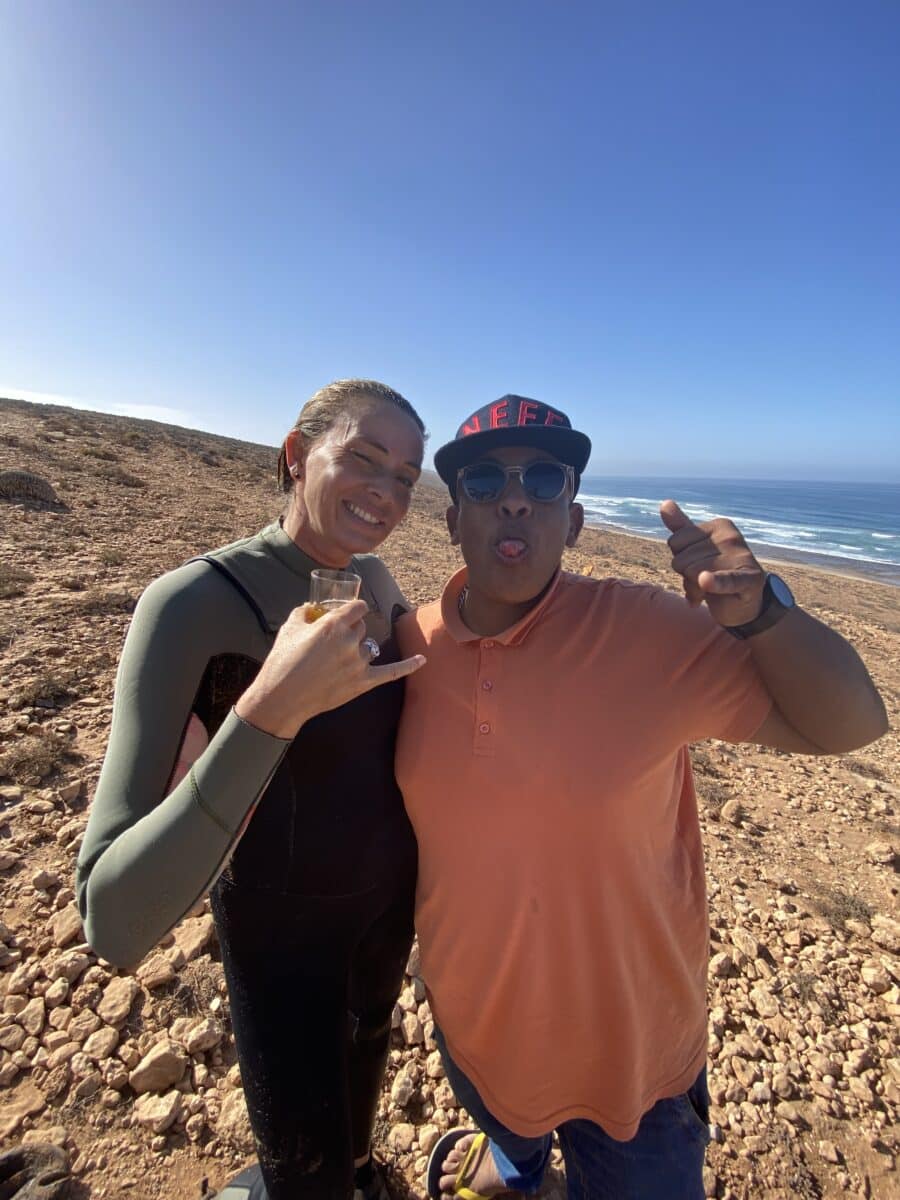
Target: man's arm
[(825, 701)]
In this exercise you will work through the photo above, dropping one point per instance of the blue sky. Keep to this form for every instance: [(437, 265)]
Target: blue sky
[(679, 222)]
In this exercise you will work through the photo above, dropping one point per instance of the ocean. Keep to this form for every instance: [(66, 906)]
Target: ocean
[(853, 527)]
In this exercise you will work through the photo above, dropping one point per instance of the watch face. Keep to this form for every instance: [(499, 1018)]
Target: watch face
[(781, 591)]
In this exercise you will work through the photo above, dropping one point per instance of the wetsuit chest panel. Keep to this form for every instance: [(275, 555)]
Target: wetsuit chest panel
[(331, 821), (225, 678)]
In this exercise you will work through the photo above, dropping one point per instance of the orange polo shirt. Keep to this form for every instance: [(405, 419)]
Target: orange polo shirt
[(561, 905)]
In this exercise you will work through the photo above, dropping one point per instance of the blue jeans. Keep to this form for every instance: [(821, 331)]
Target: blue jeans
[(663, 1161)]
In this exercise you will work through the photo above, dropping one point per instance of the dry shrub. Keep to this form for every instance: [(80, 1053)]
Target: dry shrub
[(56, 424), (98, 601), (33, 756), (28, 488), (19, 443), (10, 630), (135, 439), (125, 478), (866, 768), (101, 452), (803, 985), (713, 795), (839, 906), (50, 686), (13, 581), (190, 992)]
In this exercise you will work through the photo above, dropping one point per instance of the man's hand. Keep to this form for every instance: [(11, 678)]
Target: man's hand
[(313, 667), (716, 565), (824, 700)]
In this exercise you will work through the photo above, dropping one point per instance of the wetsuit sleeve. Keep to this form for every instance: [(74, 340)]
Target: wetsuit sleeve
[(147, 857)]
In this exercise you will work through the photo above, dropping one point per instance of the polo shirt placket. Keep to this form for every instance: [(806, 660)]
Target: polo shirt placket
[(491, 653), (484, 740)]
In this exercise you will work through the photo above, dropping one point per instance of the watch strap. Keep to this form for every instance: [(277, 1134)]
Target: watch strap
[(770, 614)]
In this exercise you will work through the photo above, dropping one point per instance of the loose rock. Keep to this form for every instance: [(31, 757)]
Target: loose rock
[(118, 997)]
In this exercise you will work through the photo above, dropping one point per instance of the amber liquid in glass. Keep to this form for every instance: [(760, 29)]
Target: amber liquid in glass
[(318, 608)]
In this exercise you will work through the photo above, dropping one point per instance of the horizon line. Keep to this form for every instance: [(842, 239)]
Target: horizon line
[(182, 418)]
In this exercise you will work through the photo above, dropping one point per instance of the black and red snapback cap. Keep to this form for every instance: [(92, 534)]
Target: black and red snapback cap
[(513, 421)]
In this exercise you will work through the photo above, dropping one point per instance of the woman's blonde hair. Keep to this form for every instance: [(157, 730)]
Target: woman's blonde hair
[(344, 395)]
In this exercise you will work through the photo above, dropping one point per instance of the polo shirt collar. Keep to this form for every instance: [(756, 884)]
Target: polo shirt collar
[(460, 632)]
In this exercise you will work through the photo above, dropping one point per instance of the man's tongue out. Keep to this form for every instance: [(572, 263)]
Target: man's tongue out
[(511, 548)]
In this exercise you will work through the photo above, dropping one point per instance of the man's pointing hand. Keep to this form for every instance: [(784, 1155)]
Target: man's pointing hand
[(716, 565)]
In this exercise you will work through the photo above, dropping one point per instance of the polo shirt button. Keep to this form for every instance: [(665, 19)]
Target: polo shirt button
[(488, 645), (484, 727), (487, 685)]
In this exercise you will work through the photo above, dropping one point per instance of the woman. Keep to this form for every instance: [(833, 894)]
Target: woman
[(277, 756)]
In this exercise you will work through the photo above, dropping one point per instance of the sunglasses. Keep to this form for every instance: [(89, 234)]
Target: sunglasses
[(542, 482)]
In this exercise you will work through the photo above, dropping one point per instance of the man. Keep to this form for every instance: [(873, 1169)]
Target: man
[(561, 906)]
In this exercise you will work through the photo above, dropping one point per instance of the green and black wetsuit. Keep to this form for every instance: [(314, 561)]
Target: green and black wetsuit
[(314, 904)]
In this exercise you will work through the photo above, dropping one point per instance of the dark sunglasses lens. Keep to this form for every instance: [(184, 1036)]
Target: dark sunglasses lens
[(483, 482), (544, 480)]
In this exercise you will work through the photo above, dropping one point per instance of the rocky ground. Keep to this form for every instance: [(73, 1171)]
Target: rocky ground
[(134, 1072)]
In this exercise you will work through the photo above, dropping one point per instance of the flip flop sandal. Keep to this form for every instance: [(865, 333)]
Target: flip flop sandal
[(36, 1172), (248, 1185), (469, 1166)]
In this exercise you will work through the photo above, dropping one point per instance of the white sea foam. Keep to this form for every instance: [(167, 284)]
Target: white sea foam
[(770, 525), (826, 553)]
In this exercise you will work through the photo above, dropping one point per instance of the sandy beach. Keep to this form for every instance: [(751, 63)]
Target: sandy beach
[(802, 857)]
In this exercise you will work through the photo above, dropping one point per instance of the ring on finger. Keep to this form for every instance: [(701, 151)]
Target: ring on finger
[(372, 646)]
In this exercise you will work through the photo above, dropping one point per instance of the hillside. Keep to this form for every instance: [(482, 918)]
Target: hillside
[(802, 857)]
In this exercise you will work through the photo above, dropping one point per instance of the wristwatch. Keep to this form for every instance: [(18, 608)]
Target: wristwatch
[(777, 599)]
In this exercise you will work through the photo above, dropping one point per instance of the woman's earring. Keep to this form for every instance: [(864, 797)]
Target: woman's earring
[(295, 470)]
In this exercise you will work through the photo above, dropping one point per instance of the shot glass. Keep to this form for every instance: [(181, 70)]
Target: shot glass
[(329, 589)]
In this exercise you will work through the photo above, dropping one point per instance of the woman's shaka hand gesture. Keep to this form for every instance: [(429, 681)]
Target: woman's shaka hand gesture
[(315, 666)]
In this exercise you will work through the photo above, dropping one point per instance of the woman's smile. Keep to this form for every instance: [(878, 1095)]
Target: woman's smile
[(362, 514)]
